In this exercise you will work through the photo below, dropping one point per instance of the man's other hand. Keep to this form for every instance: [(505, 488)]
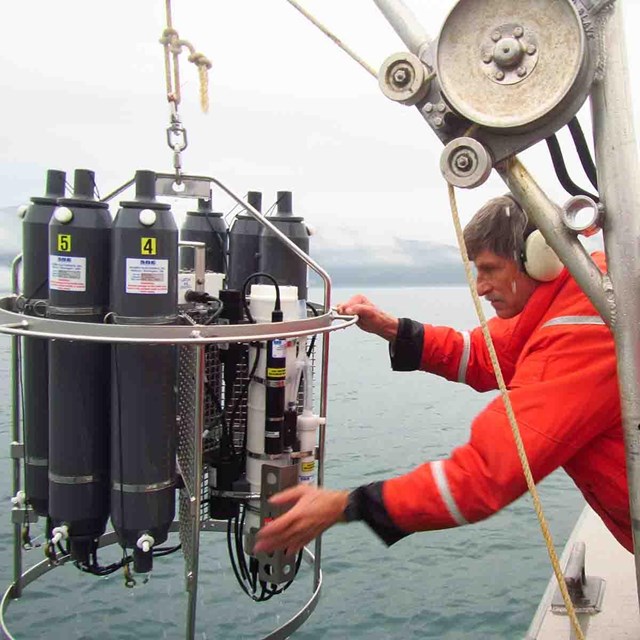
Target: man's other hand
[(371, 319), (314, 510)]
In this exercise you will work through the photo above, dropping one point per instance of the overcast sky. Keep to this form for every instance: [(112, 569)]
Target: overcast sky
[(84, 87)]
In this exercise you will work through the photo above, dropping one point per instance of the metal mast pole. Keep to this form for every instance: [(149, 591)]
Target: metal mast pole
[(405, 24), (617, 161)]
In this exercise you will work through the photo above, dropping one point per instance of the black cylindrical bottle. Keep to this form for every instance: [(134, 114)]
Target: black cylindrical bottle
[(278, 260), (144, 268), (208, 226), (35, 274), (244, 240), (79, 377)]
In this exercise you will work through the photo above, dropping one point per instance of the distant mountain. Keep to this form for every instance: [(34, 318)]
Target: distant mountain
[(404, 262)]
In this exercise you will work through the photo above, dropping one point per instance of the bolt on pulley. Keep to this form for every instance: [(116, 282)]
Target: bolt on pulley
[(403, 78)]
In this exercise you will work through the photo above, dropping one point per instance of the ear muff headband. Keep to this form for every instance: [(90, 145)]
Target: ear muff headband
[(540, 260)]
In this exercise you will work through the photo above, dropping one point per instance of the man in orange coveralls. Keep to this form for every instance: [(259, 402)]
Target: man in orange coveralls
[(558, 361)]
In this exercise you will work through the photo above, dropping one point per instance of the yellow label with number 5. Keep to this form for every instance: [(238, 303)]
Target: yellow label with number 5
[(64, 242), (148, 246)]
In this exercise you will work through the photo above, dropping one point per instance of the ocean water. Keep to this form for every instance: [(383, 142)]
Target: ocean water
[(479, 581)]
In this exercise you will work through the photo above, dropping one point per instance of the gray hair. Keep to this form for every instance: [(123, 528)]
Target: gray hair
[(500, 226)]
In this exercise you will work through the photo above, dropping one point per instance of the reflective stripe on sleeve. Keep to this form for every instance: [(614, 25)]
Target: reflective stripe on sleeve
[(440, 477), (573, 320), (464, 360)]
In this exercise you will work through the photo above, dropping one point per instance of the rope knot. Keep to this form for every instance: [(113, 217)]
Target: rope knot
[(167, 35), (200, 60), (173, 46)]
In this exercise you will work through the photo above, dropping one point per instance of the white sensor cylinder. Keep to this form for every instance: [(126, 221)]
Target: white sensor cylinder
[(307, 427), (262, 301), (263, 298)]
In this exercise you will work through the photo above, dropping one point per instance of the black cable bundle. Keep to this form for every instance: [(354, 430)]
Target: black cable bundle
[(585, 159), (247, 575)]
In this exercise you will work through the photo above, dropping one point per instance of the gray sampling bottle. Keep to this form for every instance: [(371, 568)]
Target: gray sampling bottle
[(144, 280), (79, 372), (208, 226), (278, 260), (35, 355), (244, 240)]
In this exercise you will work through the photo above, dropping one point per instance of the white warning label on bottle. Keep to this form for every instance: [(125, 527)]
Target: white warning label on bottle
[(67, 273), (279, 348), (147, 276)]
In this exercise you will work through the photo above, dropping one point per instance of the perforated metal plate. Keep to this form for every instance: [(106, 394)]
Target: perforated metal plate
[(191, 370)]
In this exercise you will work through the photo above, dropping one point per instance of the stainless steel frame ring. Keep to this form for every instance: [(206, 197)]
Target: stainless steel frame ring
[(14, 323), (44, 567)]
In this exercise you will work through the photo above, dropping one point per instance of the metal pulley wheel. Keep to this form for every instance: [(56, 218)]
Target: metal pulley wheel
[(465, 163), (512, 65), (403, 78)]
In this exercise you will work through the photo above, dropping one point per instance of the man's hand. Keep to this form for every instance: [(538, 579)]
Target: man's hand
[(371, 319), (314, 510)]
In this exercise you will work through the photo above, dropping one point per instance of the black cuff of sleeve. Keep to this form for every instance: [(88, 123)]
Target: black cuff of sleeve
[(366, 504), (406, 351)]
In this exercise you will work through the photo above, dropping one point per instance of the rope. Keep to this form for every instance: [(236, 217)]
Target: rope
[(522, 454), (334, 38), (173, 46), (204, 89)]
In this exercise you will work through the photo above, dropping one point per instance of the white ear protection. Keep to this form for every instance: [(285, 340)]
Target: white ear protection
[(540, 260)]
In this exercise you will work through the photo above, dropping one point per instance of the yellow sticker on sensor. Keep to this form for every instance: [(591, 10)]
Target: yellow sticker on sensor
[(149, 246)]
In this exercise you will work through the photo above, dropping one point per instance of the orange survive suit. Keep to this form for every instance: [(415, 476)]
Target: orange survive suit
[(558, 361)]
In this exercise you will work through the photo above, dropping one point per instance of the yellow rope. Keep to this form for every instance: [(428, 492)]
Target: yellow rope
[(173, 46), (204, 88), (365, 65), (522, 454)]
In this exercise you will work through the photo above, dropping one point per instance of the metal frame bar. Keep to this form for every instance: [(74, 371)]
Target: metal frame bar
[(405, 24), (14, 323), (192, 577), (546, 217), (617, 161), (16, 436)]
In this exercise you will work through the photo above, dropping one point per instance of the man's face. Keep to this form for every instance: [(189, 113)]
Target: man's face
[(502, 283)]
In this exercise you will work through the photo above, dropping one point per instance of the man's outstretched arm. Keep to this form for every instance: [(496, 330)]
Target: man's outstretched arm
[(459, 356)]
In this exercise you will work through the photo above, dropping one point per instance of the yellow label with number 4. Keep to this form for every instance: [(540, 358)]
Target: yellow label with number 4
[(148, 246)]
